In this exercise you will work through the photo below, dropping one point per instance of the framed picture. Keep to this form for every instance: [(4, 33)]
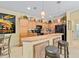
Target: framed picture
[(7, 23)]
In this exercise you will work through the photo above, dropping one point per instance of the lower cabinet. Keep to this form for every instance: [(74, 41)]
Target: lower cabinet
[(39, 50)]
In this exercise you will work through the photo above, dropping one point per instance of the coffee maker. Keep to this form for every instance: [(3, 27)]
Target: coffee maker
[(38, 30)]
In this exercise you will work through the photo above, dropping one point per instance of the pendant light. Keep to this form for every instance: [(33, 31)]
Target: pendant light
[(42, 12)]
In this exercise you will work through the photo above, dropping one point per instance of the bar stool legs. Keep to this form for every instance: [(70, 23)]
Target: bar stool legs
[(65, 46), (60, 49), (0, 51), (67, 53)]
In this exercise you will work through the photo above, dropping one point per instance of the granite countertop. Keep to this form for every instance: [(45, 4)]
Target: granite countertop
[(41, 37)]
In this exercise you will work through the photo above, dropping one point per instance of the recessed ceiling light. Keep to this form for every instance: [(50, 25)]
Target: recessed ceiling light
[(28, 8)]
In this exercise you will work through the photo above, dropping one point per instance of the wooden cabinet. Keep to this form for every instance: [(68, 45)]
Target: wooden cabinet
[(23, 27), (27, 25)]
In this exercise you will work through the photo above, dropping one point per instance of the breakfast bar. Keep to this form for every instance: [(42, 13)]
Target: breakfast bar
[(35, 46)]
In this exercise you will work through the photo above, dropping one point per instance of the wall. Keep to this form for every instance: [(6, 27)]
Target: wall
[(75, 20), (68, 27), (15, 36), (73, 17)]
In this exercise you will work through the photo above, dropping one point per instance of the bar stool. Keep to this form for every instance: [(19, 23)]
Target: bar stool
[(52, 52), (64, 44), (5, 46)]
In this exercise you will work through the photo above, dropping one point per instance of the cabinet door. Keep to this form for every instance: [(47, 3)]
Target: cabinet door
[(39, 50), (23, 27)]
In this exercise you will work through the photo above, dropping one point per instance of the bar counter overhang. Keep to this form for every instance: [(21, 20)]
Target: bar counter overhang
[(33, 47)]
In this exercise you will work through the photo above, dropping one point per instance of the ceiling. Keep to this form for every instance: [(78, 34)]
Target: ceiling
[(52, 8)]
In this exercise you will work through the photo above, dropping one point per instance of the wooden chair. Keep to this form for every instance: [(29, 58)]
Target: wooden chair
[(5, 45)]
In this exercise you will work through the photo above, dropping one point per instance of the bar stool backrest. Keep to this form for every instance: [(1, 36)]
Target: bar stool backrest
[(7, 39), (7, 43), (1, 37)]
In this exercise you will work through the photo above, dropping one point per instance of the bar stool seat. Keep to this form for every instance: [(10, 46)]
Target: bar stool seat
[(64, 44), (52, 52)]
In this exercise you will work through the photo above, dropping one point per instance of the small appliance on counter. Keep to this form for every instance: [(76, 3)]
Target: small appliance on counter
[(38, 30)]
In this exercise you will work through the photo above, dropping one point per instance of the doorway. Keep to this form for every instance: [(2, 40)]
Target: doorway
[(73, 33)]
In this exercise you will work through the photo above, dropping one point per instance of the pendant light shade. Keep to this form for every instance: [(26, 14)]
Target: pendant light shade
[(43, 13)]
